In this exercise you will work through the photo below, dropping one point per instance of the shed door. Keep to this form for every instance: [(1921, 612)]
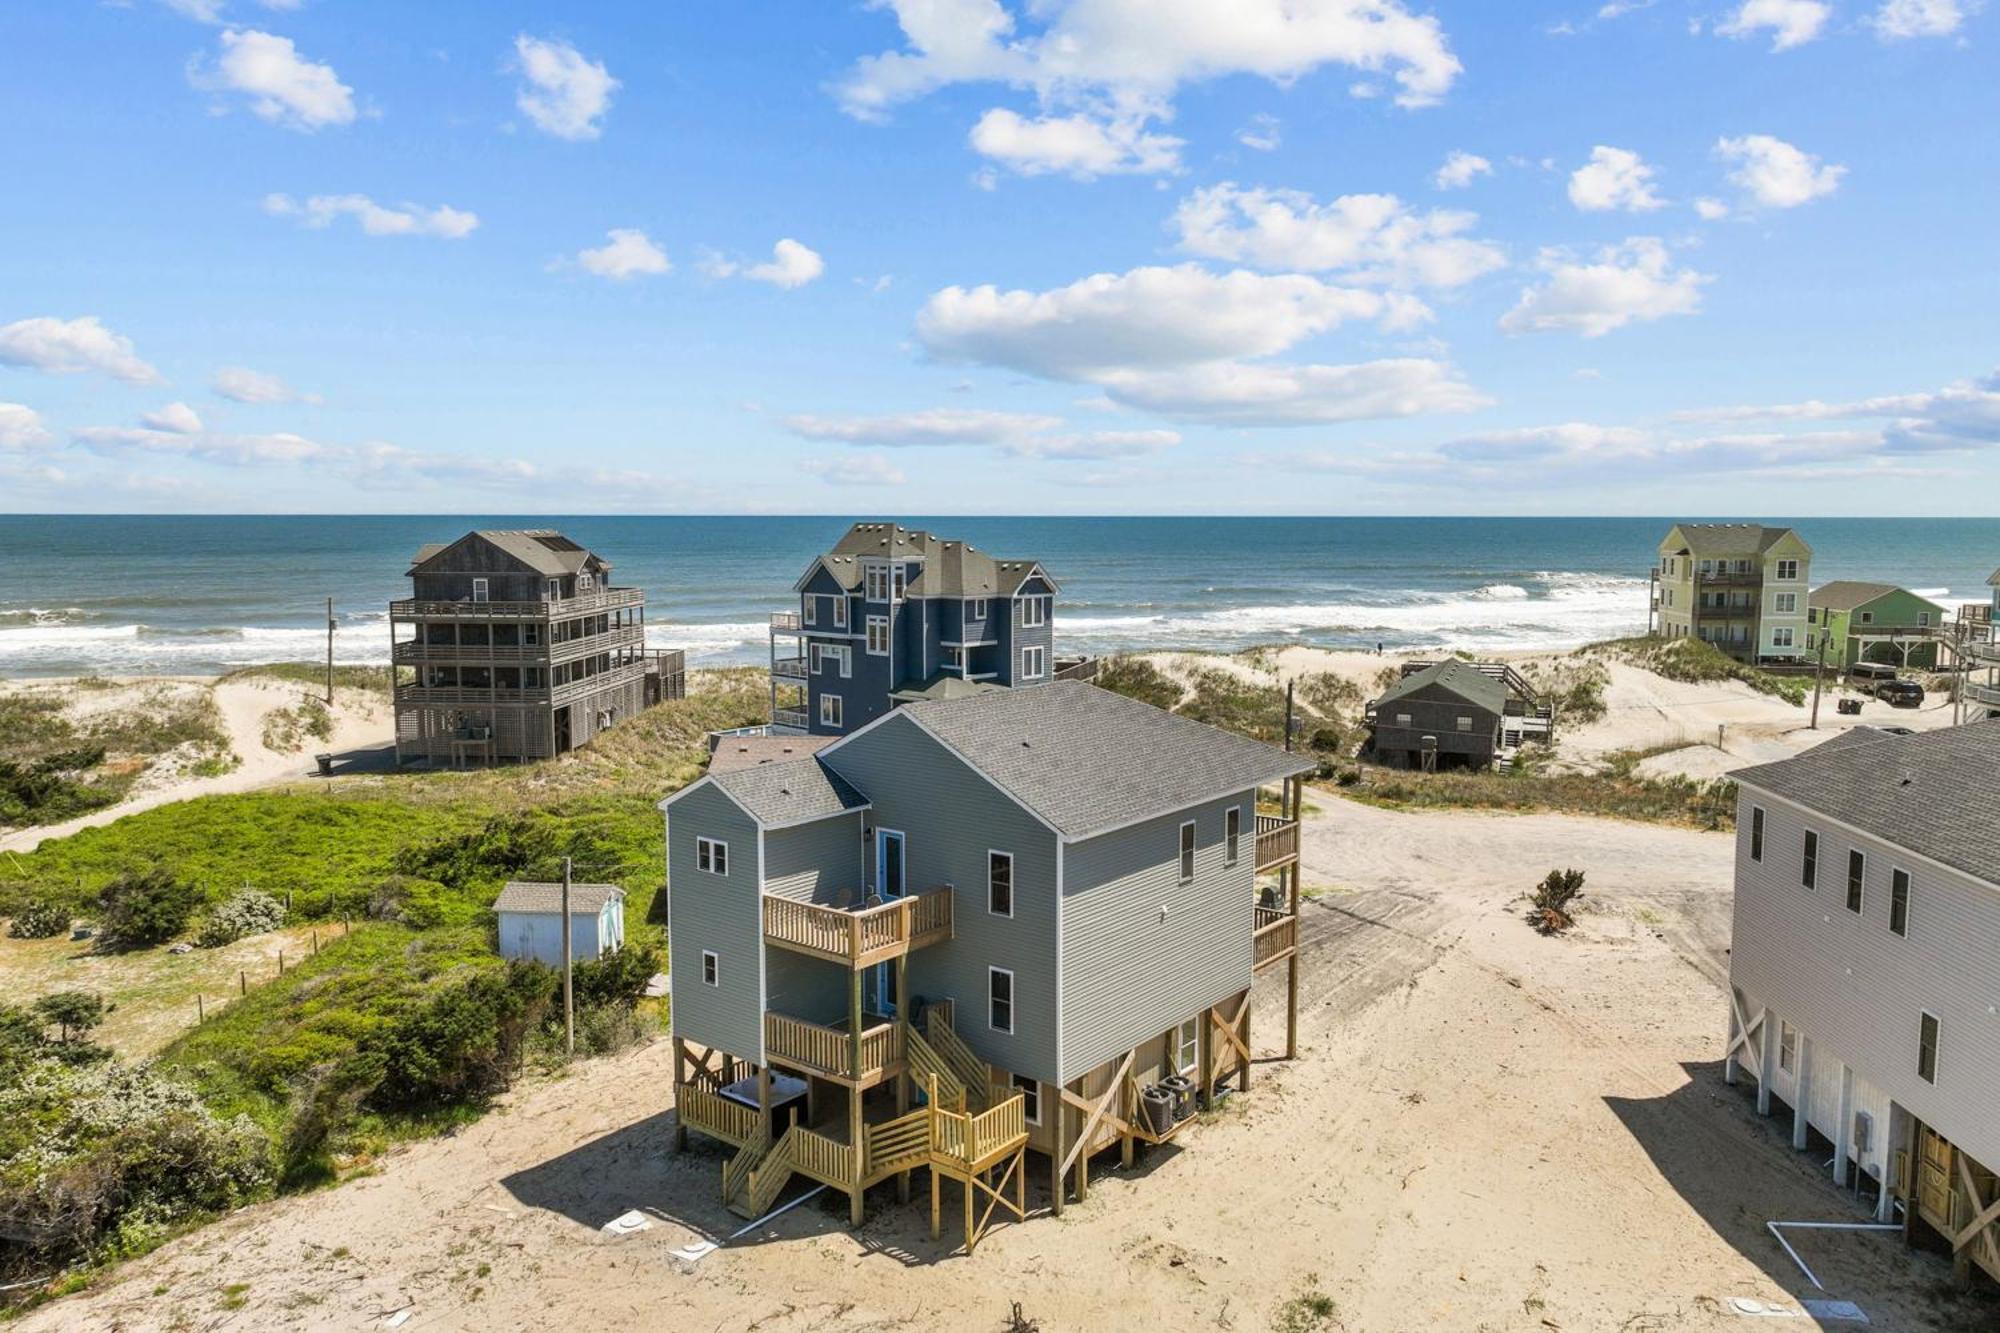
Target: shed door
[(1934, 1180)]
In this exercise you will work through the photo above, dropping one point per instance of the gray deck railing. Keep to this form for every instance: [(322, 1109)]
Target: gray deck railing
[(604, 600)]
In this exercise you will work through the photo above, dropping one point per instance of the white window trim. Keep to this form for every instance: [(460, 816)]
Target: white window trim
[(975, 609), (1038, 655), (1034, 611), (1760, 829), (899, 581), (840, 611), (1909, 900), (1013, 1000), (838, 711), (869, 586), (711, 845), (1847, 886), (873, 651), (1186, 853), (1937, 1051), (711, 968), (992, 852), (1192, 1059), (1809, 839), (1232, 839), (1788, 1047), (480, 590)]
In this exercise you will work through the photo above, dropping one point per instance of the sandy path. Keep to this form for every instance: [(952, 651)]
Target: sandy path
[(1489, 1130), (360, 722)]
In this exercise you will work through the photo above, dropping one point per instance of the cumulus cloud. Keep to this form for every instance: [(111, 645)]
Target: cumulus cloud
[(1790, 22), (1614, 179), (178, 418), (1078, 146), (1900, 19), (791, 265), (1368, 238), (626, 253), (71, 347), (374, 219), (1774, 173), (1963, 415), (282, 86), (1460, 169), (564, 92), (243, 385), (1635, 281), (21, 428), (1711, 210), (1263, 133), (855, 470), (1188, 342)]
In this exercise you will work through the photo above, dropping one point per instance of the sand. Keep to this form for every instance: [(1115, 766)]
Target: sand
[(1487, 1130)]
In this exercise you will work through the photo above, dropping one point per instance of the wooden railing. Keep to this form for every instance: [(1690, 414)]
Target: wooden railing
[(897, 1145), (604, 600), (970, 1139), (794, 667), (737, 1169), (826, 1160), (934, 1073), (858, 939), (1277, 840), (973, 1072), (716, 1115), (829, 1050), (1276, 934)]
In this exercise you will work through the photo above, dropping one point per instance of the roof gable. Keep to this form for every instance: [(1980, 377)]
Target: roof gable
[(539, 897), (1456, 677), (540, 550)]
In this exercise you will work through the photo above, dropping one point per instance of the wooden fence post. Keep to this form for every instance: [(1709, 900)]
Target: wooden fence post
[(200, 1014)]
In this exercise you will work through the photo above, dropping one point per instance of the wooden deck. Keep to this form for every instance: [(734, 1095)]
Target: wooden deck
[(1277, 842), (1274, 937), (861, 938), (829, 1051)]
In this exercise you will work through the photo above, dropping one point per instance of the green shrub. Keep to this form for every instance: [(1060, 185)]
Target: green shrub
[(1550, 907), (1138, 679), (75, 1014), (459, 1044), (245, 912), (146, 907), (40, 919), (617, 980)]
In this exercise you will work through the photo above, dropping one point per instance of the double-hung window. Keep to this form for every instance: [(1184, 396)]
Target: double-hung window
[(1788, 1048), (898, 576), (1756, 833), (711, 968), (1809, 864), (829, 710), (1034, 663), (1034, 612), (1187, 1045), (479, 590), (999, 999), (711, 855), (975, 610), (1929, 1034), (1788, 569), (1000, 883), (1785, 603), (1899, 902), (1187, 850), (1781, 637), (1232, 833), (878, 636), (876, 581), (1857, 871), (839, 611)]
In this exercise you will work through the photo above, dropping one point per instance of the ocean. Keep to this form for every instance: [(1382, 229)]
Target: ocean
[(198, 595)]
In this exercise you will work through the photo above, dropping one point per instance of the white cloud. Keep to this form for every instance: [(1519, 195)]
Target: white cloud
[(176, 417), (72, 346), (375, 219), (1963, 415), (1263, 133), (1369, 238), (1634, 281), (1188, 342), (1095, 445), (1460, 169), (1572, 439), (1776, 174), (228, 450), (937, 426), (791, 265), (1711, 210), (1790, 22), (1614, 178), (21, 428), (566, 93), (1898, 19), (201, 11), (1078, 145), (626, 253), (283, 87), (243, 385), (855, 470)]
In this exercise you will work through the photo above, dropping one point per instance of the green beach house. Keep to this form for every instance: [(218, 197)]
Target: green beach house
[(1873, 622), (1739, 586)]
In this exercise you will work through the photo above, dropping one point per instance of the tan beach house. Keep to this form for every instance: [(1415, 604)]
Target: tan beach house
[(1740, 586), (1020, 921)]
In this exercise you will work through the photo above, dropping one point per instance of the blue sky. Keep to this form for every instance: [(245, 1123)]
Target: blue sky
[(977, 256)]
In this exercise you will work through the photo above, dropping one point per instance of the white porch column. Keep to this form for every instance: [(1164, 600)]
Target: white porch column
[(1767, 1056), (1802, 1094), (1843, 1139), (1729, 1045)]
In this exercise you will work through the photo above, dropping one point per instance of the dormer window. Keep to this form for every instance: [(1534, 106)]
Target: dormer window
[(876, 581), (898, 575), (975, 609)]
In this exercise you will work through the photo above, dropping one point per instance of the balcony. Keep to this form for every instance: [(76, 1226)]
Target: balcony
[(861, 938), (1752, 579), (790, 721), (829, 1051), (1274, 936), (784, 622), (607, 599), (793, 668), (1985, 695), (1277, 842), (415, 651)]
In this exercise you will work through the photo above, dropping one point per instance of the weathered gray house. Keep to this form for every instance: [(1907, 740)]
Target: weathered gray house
[(1023, 910), (1862, 972), (515, 645), (892, 615), (1455, 714)]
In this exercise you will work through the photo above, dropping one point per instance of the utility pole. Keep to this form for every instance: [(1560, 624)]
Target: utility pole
[(329, 652), (1290, 685), (569, 995), (1819, 673)]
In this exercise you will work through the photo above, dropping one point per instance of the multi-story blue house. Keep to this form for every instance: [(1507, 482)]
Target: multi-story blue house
[(893, 615)]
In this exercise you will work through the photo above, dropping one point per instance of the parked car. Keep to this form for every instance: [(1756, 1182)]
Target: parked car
[(1900, 693)]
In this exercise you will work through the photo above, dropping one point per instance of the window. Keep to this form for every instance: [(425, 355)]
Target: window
[(954, 660), (555, 590), (1756, 833), (999, 999), (711, 855), (1708, 567), (1867, 617), (1809, 869), (898, 580), (1781, 637), (1034, 611), (1857, 868), (479, 590), (531, 635), (876, 580), (1928, 1033), (1034, 663), (1232, 833), (1899, 902), (829, 710), (975, 609), (1187, 850), (711, 968), (878, 636), (1788, 1048), (1465, 722), (1785, 603), (1031, 1098), (813, 659), (1923, 620), (1402, 719), (840, 612), (1788, 569), (1000, 883), (1187, 1046)]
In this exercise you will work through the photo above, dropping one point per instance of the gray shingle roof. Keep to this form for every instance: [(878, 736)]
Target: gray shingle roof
[(1462, 678), (543, 550), (951, 568), (788, 793), (944, 685), (534, 896), (1087, 760), (734, 752), (1934, 793), (1713, 539), (1847, 594)]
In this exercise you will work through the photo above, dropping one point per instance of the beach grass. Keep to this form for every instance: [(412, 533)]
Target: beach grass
[(1695, 662), (1618, 792)]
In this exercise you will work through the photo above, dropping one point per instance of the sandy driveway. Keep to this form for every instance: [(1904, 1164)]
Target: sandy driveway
[(1489, 1130)]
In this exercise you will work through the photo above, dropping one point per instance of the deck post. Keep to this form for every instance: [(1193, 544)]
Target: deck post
[(1206, 1047), (1843, 1136), (1767, 1056), (903, 1109), (764, 1102), (1128, 1113), (1802, 1095), (1057, 1152), (1243, 1009), (680, 1082), (1083, 1157), (854, 1024), (857, 1135)]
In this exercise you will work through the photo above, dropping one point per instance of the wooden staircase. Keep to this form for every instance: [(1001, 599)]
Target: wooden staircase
[(931, 1069), (764, 1168), (971, 1073)]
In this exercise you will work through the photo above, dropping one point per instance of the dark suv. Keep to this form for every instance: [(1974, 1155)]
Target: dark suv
[(1900, 693)]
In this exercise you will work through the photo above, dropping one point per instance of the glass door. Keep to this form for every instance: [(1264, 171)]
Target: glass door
[(889, 885)]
